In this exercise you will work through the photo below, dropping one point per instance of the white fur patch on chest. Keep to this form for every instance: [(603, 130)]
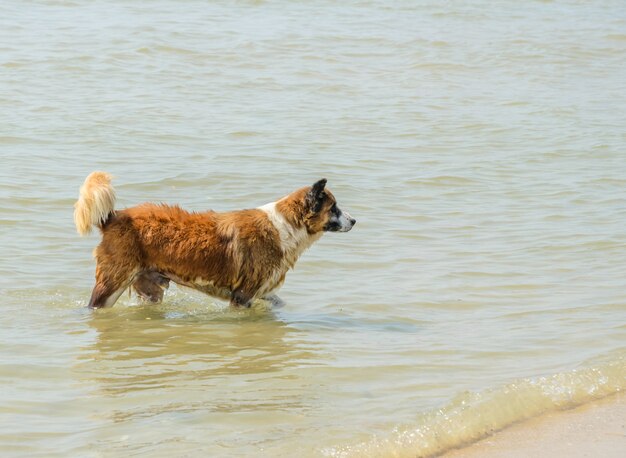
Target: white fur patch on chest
[(293, 240)]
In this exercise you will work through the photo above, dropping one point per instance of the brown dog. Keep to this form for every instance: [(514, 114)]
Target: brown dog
[(238, 256)]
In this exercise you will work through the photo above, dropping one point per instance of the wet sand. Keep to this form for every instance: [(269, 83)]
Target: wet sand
[(593, 430)]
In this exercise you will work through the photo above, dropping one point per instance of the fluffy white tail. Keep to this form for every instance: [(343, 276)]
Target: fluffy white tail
[(96, 202)]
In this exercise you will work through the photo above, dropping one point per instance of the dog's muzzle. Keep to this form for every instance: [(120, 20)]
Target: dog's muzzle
[(340, 222)]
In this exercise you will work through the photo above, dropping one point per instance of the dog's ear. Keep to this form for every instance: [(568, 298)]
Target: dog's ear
[(315, 196)]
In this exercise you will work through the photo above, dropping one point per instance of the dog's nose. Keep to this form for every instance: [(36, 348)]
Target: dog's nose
[(352, 221)]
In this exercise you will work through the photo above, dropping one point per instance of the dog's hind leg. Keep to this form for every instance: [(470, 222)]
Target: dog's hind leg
[(111, 282), (104, 296), (151, 285)]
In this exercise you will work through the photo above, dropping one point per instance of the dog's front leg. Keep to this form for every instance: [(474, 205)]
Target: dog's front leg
[(151, 285), (240, 298)]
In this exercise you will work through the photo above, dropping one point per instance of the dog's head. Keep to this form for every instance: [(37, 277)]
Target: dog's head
[(321, 211)]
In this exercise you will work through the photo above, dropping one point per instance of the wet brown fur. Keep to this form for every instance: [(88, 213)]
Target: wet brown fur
[(236, 255)]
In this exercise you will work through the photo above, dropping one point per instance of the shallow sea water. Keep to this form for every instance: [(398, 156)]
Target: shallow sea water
[(480, 147)]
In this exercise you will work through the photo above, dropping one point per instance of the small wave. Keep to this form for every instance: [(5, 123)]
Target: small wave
[(244, 133), (474, 416), (9, 140), (443, 181), (617, 36)]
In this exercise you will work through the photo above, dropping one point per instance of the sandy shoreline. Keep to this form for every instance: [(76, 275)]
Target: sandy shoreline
[(597, 429)]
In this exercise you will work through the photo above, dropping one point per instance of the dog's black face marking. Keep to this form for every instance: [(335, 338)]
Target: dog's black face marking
[(339, 221), (333, 224)]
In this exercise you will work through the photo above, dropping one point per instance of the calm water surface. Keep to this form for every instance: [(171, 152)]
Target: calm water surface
[(480, 146)]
